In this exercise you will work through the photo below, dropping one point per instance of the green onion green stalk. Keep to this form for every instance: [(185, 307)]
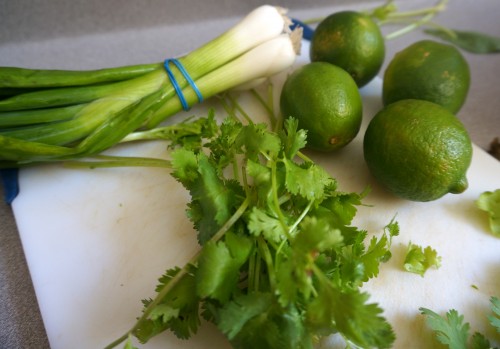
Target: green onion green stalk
[(52, 115)]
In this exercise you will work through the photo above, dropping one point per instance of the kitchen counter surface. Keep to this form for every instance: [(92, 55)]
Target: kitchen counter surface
[(51, 27)]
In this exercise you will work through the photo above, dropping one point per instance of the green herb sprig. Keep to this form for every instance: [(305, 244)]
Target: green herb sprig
[(455, 334), (280, 264), (418, 259), (489, 201), (471, 41)]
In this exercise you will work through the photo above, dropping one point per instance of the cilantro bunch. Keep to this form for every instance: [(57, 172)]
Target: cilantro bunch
[(280, 264)]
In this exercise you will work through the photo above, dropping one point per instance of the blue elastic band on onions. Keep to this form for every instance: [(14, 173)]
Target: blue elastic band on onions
[(175, 84)]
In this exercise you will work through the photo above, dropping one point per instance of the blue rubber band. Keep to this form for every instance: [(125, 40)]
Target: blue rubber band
[(175, 84)]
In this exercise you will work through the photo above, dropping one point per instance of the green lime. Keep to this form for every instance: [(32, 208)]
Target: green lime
[(352, 41), (326, 102), (428, 70), (418, 150)]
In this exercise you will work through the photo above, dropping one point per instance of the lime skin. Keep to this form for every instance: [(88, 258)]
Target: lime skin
[(352, 41), (418, 150), (428, 70), (326, 102)]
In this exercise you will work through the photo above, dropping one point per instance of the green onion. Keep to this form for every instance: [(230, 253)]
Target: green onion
[(11, 77), (51, 115)]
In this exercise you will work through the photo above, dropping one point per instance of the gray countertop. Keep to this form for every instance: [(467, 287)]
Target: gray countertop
[(73, 34)]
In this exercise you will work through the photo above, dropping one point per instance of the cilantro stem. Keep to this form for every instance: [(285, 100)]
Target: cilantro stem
[(410, 17), (409, 27), (226, 107), (440, 6), (442, 28), (237, 107), (251, 271), (230, 222), (277, 254), (301, 217), (268, 106), (256, 279), (304, 157), (266, 254), (277, 207), (349, 344)]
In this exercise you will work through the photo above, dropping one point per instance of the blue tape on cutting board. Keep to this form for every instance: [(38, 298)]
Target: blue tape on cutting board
[(307, 31), (10, 184)]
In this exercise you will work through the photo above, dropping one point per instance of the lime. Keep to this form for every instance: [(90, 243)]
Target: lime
[(352, 41), (428, 70), (418, 150), (326, 102)]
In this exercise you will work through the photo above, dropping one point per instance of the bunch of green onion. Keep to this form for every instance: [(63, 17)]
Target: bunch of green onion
[(52, 115)]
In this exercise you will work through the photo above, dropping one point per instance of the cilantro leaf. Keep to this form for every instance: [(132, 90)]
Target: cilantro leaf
[(490, 202), (256, 140), (468, 40), (177, 311), (222, 147), (307, 180), (254, 321), (188, 135), (349, 271), (350, 314), (451, 331), (294, 273), (316, 235), (293, 330), (184, 166), (292, 138), (479, 341), (218, 272), (235, 314), (211, 200), (418, 260), (288, 281), (218, 266), (334, 211), (262, 182), (379, 250), (343, 206), (240, 246), (260, 223), (495, 318), (392, 228), (260, 173), (164, 312), (214, 199)]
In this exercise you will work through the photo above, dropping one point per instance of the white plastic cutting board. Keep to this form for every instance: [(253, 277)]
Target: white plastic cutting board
[(96, 242)]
